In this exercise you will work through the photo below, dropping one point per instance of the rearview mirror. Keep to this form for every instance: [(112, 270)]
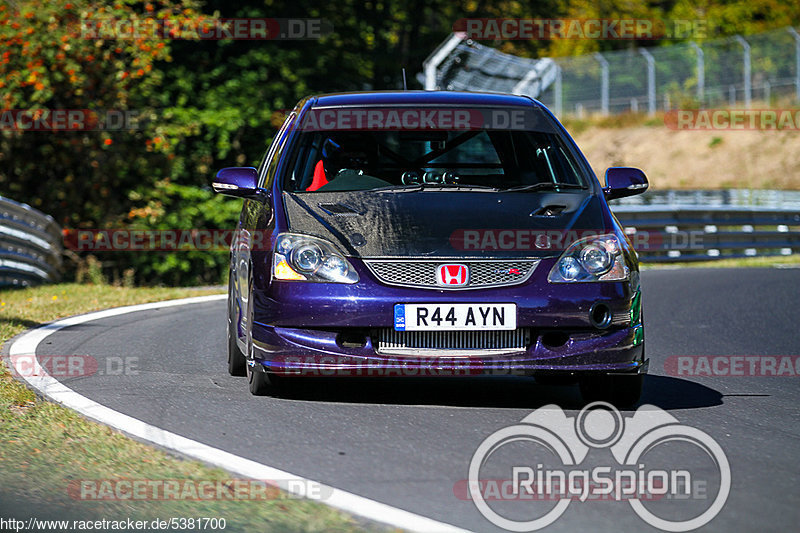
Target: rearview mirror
[(241, 182), (624, 181)]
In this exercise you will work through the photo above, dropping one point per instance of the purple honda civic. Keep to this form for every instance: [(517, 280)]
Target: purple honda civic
[(418, 233)]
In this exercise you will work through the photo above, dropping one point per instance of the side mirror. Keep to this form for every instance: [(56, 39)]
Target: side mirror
[(241, 182), (624, 181)]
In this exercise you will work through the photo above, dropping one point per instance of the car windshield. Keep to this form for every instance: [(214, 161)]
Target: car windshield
[(351, 155)]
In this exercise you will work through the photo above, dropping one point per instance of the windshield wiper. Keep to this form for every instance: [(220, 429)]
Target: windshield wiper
[(432, 186), (543, 185), (458, 186), (390, 188)]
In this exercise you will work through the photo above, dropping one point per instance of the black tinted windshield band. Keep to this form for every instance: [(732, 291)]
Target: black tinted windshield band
[(367, 160), (420, 118)]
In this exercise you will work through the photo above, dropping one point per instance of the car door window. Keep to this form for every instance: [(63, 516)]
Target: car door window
[(267, 168)]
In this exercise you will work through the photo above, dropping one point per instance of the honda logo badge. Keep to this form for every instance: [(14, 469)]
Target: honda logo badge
[(452, 275)]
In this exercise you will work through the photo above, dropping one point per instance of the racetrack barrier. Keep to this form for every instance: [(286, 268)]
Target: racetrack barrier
[(698, 225), (30, 245)]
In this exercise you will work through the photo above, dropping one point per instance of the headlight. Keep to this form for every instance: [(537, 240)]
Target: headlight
[(591, 259), (306, 258), (570, 268), (596, 259)]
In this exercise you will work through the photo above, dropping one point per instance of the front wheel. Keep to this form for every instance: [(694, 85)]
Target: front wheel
[(621, 390), (236, 360), (260, 382)]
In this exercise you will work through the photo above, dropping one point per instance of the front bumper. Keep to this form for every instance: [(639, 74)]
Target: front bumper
[(331, 330), (291, 351)]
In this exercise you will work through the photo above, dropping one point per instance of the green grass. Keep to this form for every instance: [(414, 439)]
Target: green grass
[(43, 446)]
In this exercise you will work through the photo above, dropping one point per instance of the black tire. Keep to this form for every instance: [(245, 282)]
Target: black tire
[(621, 390), (263, 383), (237, 363), (259, 382)]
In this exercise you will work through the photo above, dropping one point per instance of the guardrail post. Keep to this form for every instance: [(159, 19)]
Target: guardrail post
[(797, 61), (651, 81), (603, 82), (432, 63), (701, 72), (558, 95), (747, 79)]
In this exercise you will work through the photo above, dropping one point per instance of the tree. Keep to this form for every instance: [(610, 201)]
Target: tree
[(52, 62)]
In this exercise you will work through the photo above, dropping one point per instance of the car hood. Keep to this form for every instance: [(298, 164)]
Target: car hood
[(442, 224)]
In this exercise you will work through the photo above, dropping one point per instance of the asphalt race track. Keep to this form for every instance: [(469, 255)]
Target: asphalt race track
[(408, 442)]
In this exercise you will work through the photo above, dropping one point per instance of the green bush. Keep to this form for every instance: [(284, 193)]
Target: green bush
[(170, 206)]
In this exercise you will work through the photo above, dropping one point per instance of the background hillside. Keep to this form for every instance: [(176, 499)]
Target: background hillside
[(690, 159)]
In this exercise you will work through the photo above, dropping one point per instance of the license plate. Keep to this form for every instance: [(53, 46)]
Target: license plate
[(454, 317)]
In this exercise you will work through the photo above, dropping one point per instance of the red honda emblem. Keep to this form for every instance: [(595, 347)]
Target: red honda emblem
[(452, 275)]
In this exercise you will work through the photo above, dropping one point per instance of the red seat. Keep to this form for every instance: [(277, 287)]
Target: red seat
[(319, 177)]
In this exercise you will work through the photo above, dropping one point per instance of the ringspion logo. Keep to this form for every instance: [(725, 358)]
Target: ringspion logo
[(541, 458)]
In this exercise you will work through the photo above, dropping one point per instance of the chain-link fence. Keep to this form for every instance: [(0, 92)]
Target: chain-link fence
[(735, 71)]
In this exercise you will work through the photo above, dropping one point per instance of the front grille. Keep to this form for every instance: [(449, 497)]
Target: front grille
[(422, 272), (452, 342)]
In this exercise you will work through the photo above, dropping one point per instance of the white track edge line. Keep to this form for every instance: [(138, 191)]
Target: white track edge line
[(26, 344)]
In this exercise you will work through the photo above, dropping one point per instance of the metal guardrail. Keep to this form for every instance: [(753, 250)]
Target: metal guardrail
[(461, 64), (706, 225), (31, 246)]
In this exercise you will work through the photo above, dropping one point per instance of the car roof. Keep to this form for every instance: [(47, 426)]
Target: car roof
[(400, 98)]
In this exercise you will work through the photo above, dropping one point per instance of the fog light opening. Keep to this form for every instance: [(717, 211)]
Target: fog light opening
[(600, 316), (555, 339), (351, 339)]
